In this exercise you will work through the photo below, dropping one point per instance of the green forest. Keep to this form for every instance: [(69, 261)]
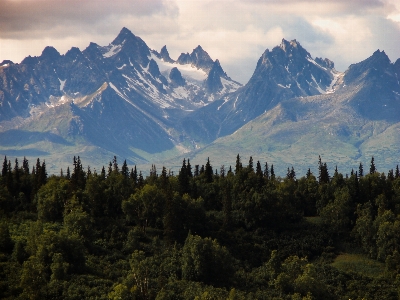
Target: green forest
[(237, 232)]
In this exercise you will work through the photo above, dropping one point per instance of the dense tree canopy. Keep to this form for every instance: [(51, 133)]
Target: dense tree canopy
[(240, 233)]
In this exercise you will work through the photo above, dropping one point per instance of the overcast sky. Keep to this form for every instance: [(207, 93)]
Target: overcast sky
[(236, 32)]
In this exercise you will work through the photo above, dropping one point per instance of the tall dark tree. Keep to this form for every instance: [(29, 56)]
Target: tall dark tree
[(323, 171), (134, 176), (238, 165), (5, 167), (266, 171), (372, 168), (251, 166), (222, 171), (183, 179), (397, 173), (208, 171), (25, 166), (272, 172), (360, 170), (68, 176), (125, 170), (196, 171), (189, 169), (115, 164)]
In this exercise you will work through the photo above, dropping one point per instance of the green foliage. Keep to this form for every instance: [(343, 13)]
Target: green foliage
[(198, 235), (206, 261)]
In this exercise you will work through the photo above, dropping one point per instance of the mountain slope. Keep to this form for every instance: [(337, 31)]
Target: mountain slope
[(346, 126), (285, 72), (123, 98)]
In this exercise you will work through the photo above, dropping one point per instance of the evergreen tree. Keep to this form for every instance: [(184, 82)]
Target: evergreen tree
[(115, 164), (361, 170), (109, 169), (308, 175), (69, 174), (183, 179), (189, 169), (266, 171), (103, 173), (397, 173), (238, 166), (390, 175), (372, 168), (250, 166), (323, 171), (258, 169), (134, 176), (25, 166), (222, 171), (272, 172), (88, 172), (140, 180), (209, 171), (5, 167), (125, 170), (196, 171)]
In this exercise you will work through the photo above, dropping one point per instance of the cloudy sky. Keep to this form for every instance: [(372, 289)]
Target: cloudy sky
[(235, 31)]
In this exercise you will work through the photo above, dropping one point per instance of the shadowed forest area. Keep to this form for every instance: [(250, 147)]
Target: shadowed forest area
[(235, 232)]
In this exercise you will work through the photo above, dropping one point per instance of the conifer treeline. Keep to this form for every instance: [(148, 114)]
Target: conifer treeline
[(226, 233)]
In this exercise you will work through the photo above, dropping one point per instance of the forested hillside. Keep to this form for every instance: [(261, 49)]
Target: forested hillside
[(235, 232)]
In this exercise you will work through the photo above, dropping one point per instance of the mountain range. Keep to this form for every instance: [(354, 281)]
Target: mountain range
[(139, 104)]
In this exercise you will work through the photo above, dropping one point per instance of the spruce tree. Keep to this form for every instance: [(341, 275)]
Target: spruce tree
[(125, 170), (115, 165), (372, 168), (397, 174), (189, 169), (5, 166), (250, 166), (25, 166), (272, 172), (222, 171), (360, 170), (209, 171), (266, 171), (238, 166)]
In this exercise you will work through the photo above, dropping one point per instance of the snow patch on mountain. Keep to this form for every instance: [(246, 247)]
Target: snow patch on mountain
[(114, 49), (188, 71)]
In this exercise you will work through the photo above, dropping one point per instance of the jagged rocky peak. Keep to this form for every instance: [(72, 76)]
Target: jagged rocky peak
[(176, 77), (326, 63), (50, 53), (213, 82), (184, 59), (293, 48), (153, 68), (287, 44), (6, 62), (377, 62), (29, 60), (73, 53), (201, 59), (124, 35), (164, 55), (198, 58)]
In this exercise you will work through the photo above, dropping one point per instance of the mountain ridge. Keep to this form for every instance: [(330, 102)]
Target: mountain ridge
[(128, 100)]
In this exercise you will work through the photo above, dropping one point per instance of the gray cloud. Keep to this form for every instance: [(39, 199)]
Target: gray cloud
[(235, 31), (29, 18)]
